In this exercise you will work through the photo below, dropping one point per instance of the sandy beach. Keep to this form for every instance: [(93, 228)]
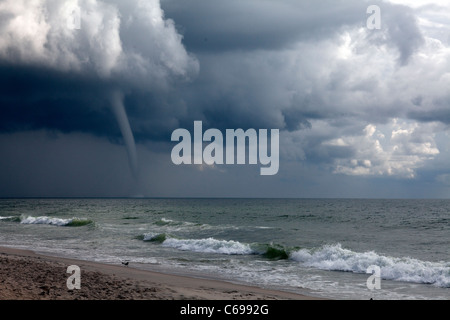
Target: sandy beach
[(25, 275)]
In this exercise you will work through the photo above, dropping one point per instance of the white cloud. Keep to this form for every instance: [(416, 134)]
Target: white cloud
[(123, 37), (407, 149), (420, 3)]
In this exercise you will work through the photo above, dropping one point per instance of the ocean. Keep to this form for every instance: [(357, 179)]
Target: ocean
[(319, 247)]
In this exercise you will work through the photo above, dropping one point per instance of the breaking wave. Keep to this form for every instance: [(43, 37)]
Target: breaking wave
[(71, 222), (334, 257), (208, 245), (329, 257)]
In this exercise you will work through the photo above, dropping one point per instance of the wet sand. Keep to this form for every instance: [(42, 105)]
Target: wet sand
[(25, 275)]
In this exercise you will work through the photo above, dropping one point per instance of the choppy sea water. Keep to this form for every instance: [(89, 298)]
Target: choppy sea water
[(322, 247)]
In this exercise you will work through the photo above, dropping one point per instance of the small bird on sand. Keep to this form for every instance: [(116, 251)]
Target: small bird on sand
[(125, 263)]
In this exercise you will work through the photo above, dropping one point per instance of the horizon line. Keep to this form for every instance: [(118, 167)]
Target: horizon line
[(210, 198)]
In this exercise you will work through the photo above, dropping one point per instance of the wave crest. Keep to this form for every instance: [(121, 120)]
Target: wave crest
[(334, 257), (209, 245), (71, 222)]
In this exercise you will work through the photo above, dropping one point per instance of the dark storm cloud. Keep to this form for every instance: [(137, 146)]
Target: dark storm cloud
[(245, 78), (41, 98), (440, 115), (60, 78), (259, 24), (34, 98), (402, 29), (308, 68), (228, 93), (220, 26)]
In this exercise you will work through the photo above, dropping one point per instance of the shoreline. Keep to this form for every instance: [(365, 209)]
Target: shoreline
[(27, 275)]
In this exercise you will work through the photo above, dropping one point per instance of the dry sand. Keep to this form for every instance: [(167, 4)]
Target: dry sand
[(25, 275)]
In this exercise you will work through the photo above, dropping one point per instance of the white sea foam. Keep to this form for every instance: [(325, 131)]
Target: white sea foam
[(53, 221), (334, 257), (176, 225), (209, 245), (45, 220)]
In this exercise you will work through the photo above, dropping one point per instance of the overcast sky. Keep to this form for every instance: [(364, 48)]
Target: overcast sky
[(88, 108)]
